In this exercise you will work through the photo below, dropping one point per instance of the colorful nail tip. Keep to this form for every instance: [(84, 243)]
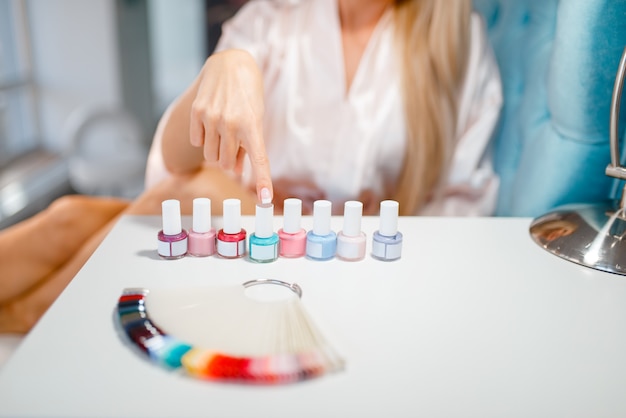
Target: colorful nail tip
[(171, 353)]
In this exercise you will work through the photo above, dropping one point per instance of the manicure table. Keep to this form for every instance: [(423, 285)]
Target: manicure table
[(474, 320)]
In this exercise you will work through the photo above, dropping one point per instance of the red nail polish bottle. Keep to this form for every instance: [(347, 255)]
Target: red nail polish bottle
[(231, 239)]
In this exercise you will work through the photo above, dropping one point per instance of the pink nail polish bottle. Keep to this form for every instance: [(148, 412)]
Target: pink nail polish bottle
[(351, 241), (292, 236), (202, 235), (172, 238), (231, 239)]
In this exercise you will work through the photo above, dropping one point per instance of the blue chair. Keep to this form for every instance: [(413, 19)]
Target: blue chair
[(558, 61)]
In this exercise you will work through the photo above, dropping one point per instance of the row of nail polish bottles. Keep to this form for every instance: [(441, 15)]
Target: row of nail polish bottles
[(320, 243), (350, 243), (202, 241), (174, 241)]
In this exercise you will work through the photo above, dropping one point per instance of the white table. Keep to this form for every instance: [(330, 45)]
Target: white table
[(475, 320)]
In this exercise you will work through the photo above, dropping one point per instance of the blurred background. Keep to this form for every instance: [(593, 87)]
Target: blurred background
[(82, 86)]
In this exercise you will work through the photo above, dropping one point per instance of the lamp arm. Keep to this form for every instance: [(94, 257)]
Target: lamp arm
[(614, 169)]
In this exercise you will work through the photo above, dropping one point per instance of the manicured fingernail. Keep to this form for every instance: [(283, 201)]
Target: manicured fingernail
[(266, 197)]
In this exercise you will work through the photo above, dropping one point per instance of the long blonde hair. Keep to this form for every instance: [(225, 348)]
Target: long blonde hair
[(433, 40)]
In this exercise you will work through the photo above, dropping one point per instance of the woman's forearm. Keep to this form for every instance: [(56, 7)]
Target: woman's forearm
[(179, 155)]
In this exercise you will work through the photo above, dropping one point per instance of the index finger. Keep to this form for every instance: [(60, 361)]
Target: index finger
[(260, 168)]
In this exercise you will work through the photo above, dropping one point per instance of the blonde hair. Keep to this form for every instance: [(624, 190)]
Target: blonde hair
[(433, 40)]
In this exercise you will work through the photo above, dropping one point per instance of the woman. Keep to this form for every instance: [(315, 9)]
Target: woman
[(347, 99)]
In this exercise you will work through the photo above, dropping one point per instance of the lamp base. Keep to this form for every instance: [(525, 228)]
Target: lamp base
[(591, 235)]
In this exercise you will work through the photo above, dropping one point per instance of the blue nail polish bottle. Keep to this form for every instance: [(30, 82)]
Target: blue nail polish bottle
[(321, 242), (264, 241), (387, 241)]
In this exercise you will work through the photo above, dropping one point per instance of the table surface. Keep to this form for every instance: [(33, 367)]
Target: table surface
[(475, 319)]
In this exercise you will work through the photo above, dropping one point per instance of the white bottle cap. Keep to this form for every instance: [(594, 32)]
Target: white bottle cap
[(202, 215), (264, 227), (171, 217), (389, 218), (352, 213), (292, 215), (321, 217), (232, 216)]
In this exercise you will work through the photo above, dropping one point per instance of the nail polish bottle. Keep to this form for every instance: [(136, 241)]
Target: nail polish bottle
[(351, 241), (202, 234), (231, 239), (264, 241), (292, 236), (321, 241), (387, 241), (172, 238)]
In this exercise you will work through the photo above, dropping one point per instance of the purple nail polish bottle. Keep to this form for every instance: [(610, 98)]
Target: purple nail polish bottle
[(172, 238)]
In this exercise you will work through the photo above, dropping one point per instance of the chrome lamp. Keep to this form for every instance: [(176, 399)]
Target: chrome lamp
[(592, 235)]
